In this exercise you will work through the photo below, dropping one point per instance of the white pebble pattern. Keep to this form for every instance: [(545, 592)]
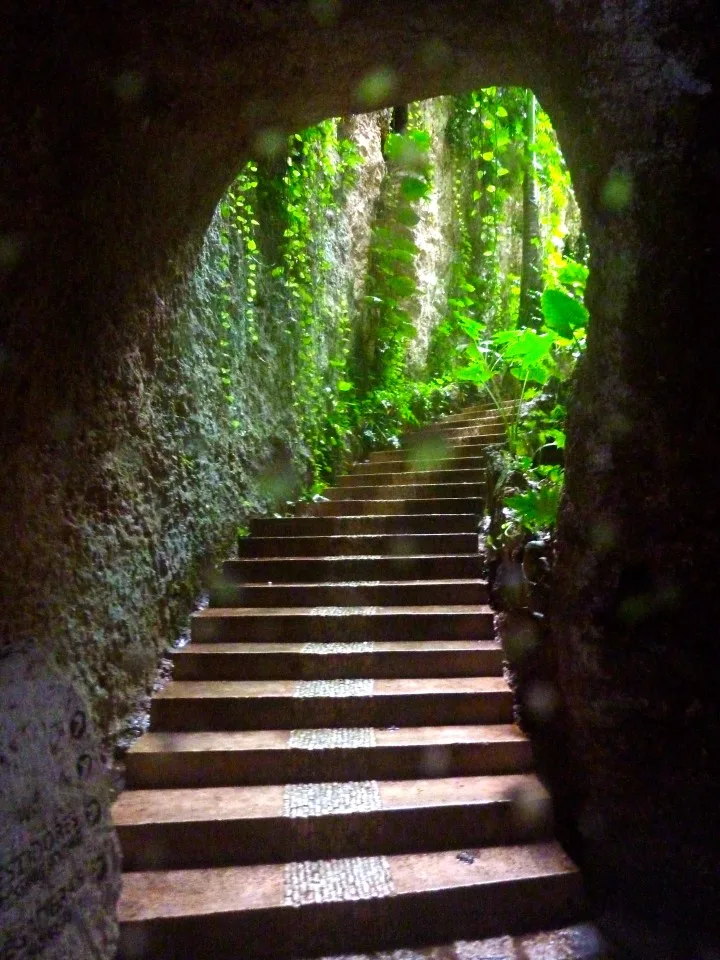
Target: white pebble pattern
[(323, 799), (500, 948), (362, 646), (331, 881), (332, 738), (334, 688)]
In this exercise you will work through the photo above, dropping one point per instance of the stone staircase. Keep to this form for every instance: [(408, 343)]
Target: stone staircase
[(334, 766)]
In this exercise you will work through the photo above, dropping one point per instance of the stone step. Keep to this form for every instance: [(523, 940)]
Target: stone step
[(333, 661), (480, 431), (409, 464), (477, 413), (201, 705), (307, 907), (581, 941), (431, 451), (341, 624), (344, 526), (345, 569), (389, 593), (350, 505), (458, 419), (237, 758), (359, 544), (408, 491), (226, 826), (405, 477)]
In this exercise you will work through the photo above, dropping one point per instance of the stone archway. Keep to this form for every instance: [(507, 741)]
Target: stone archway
[(122, 136)]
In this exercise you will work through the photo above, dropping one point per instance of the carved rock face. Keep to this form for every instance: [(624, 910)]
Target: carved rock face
[(59, 857)]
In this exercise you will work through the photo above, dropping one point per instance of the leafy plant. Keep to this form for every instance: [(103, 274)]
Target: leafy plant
[(527, 487)]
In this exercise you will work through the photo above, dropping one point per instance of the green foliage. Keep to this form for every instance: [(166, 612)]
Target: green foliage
[(275, 217), (487, 135), (348, 395), (526, 488), (392, 281), (563, 314)]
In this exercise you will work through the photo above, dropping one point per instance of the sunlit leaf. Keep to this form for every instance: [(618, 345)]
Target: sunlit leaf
[(413, 188), (563, 313)]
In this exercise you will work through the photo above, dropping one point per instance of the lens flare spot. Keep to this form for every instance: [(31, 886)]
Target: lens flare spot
[(375, 87)]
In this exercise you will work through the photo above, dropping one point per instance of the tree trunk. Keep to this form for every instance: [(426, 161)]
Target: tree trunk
[(530, 313)]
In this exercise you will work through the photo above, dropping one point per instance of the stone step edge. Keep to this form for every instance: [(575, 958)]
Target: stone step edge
[(432, 610), (269, 802), (170, 895)]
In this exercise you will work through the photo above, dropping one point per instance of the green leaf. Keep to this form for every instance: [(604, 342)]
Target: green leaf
[(344, 386), (407, 217), (501, 112), (413, 188), (474, 373), (402, 286), (525, 347), (557, 437), (573, 274), (563, 313), (488, 155)]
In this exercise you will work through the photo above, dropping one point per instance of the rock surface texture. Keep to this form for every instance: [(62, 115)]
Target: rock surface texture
[(120, 135), (304, 787)]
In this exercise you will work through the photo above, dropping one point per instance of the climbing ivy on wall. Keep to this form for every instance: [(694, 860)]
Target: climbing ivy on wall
[(275, 225)]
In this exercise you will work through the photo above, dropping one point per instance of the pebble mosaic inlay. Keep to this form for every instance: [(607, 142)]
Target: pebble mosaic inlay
[(500, 948), (334, 688), (330, 881), (332, 738), (428, 954), (361, 646), (323, 799)]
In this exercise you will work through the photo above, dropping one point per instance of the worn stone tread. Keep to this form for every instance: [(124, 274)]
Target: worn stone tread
[(330, 570), (136, 807), (156, 895), (374, 544), (579, 942)]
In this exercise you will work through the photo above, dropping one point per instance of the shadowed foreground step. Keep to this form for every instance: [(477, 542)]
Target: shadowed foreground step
[(334, 768), (275, 910), (266, 704), (579, 942), (362, 592), (227, 758), (375, 544), (357, 569), (165, 829), (330, 661)]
